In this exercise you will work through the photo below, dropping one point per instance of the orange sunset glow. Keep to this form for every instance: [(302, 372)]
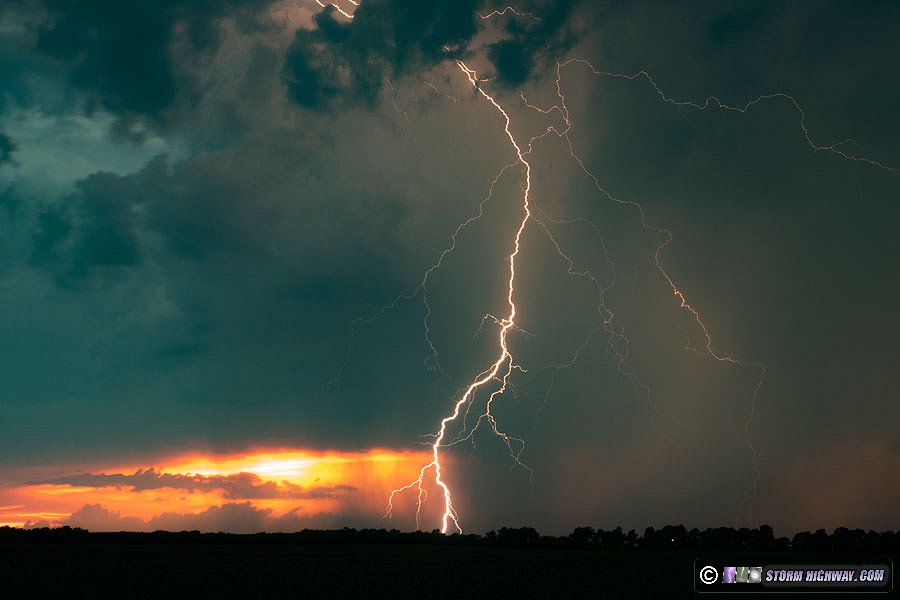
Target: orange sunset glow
[(272, 490)]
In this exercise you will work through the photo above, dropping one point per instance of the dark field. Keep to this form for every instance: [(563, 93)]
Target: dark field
[(371, 571), (191, 569)]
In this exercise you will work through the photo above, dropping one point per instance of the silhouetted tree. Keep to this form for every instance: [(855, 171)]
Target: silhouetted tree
[(670, 537), (674, 536), (609, 540), (765, 539), (631, 540), (582, 535), (518, 537)]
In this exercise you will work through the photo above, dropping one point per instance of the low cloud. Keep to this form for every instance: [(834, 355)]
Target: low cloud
[(97, 518), (233, 518), (238, 486)]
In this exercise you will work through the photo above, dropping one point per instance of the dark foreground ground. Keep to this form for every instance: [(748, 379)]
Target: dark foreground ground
[(194, 569)]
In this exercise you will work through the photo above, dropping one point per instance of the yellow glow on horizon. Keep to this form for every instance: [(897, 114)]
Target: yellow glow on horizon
[(287, 482)]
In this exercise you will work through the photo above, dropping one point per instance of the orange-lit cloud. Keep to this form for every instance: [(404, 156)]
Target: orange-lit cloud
[(270, 490)]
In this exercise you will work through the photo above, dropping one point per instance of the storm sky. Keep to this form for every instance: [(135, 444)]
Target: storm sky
[(204, 206)]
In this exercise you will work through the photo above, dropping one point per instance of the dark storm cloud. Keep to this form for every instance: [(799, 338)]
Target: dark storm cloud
[(212, 205), (18, 61), (532, 42), (199, 208), (92, 228), (7, 148), (207, 205), (51, 231), (341, 61), (197, 211), (10, 202), (236, 486), (120, 53)]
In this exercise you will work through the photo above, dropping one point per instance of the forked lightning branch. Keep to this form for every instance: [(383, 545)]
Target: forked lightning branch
[(494, 380)]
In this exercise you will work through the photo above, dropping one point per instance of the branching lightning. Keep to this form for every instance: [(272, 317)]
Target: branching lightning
[(337, 7), (504, 364), (495, 378), (511, 10), (707, 347), (711, 101)]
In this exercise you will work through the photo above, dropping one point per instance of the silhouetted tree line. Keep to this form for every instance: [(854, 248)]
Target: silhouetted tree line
[(670, 537)]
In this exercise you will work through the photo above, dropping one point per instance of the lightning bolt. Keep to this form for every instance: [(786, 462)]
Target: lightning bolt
[(667, 237), (397, 109), (707, 347), (714, 101), (509, 9), (444, 94), (503, 365), (338, 8), (499, 372)]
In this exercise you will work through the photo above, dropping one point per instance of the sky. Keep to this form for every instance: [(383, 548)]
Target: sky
[(217, 218)]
